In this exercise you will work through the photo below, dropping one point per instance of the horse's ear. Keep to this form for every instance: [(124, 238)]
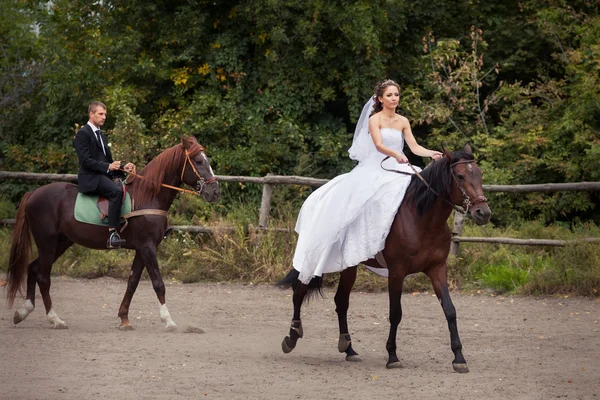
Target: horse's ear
[(186, 142), (447, 153), (468, 149)]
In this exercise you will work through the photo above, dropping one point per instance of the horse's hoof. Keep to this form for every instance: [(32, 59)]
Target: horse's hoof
[(18, 318), (460, 368), (171, 328), (126, 327), (287, 346), (61, 325), (395, 364), (353, 358)]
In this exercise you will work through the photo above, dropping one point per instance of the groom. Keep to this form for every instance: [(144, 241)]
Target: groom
[(97, 169)]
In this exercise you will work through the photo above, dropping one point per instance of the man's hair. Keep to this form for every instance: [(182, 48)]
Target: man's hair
[(94, 105)]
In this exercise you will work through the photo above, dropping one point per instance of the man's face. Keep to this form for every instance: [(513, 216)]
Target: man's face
[(98, 116)]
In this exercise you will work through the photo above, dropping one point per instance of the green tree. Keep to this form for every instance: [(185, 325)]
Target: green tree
[(276, 86)]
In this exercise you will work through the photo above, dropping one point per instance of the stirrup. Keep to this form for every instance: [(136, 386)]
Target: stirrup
[(114, 242)]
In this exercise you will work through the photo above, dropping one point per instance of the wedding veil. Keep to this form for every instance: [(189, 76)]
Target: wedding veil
[(362, 143)]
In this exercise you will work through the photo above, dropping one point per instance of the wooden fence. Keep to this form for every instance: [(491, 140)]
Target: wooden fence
[(269, 181)]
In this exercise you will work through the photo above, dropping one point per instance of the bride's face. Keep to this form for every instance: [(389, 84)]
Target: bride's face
[(390, 98)]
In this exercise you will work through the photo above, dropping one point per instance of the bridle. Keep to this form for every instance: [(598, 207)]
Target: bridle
[(201, 183), (466, 203)]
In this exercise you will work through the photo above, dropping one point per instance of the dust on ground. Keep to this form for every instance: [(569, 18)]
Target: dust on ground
[(228, 346)]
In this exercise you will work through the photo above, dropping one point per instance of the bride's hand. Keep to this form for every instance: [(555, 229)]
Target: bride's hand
[(401, 158), (436, 155)]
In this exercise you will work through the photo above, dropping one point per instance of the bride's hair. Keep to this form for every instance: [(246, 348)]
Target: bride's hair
[(379, 90)]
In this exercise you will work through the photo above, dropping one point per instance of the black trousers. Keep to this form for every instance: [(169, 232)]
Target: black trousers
[(114, 193)]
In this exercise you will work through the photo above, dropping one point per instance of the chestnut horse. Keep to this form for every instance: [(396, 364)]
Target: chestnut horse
[(48, 213), (418, 241)]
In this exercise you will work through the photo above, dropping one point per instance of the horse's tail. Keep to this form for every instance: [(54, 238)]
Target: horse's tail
[(20, 250), (315, 286)]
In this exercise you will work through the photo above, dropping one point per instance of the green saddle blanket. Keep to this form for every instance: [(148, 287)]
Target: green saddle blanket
[(86, 209)]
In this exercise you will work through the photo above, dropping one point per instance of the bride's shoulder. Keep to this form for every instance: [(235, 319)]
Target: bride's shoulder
[(375, 116), (375, 119), (401, 118), (401, 121)]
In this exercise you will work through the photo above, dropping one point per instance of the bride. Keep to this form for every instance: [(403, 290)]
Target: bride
[(347, 220)]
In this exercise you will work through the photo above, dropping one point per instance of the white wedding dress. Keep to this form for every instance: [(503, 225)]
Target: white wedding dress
[(347, 220)]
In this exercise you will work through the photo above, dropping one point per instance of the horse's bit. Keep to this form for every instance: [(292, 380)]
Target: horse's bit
[(467, 203), (201, 184)]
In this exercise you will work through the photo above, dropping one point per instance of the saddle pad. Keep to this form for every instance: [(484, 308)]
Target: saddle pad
[(86, 210)]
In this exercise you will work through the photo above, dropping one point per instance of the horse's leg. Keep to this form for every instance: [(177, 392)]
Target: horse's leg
[(440, 286), (49, 252), (395, 294), (29, 305), (149, 258), (296, 332), (342, 301), (134, 278)]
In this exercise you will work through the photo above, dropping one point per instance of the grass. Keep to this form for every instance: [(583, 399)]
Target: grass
[(504, 278), (572, 269), (243, 255)]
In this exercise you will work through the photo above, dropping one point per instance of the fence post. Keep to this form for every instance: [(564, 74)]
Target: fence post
[(457, 228), (265, 205)]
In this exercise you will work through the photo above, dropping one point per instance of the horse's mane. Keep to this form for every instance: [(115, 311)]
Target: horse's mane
[(154, 173), (439, 177)]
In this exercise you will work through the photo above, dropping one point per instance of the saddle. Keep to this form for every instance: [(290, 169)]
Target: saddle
[(103, 201)]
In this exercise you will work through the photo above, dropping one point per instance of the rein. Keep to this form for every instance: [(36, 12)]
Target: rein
[(196, 148), (467, 203)]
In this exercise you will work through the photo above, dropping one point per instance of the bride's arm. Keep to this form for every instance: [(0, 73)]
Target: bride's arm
[(413, 145), (378, 140)]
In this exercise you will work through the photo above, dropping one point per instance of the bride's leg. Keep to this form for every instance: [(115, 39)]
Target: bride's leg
[(342, 301)]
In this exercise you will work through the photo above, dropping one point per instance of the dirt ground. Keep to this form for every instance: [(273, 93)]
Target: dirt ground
[(517, 347)]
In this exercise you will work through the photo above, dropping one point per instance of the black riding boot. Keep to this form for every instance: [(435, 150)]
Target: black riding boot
[(114, 240)]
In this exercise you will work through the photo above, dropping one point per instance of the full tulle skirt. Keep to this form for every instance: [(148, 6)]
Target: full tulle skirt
[(347, 220)]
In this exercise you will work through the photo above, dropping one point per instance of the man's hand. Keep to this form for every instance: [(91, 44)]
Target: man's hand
[(114, 166), (130, 168)]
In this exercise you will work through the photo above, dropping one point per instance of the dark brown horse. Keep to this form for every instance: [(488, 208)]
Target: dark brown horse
[(48, 214), (419, 241)]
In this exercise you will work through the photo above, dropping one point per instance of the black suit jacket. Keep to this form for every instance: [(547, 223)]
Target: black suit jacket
[(92, 161)]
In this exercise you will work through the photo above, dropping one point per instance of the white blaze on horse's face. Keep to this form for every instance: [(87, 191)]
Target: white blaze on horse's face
[(207, 163)]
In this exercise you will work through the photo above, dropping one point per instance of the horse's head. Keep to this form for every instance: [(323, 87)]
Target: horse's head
[(467, 189), (197, 172)]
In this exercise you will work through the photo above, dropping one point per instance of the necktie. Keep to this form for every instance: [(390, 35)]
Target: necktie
[(99, 138)]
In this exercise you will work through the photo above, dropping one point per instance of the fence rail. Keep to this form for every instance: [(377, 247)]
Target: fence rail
[(307, 181), (456, 239), (269, 180)]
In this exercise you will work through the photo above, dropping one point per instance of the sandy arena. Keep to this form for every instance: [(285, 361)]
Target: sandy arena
[(517, 347)]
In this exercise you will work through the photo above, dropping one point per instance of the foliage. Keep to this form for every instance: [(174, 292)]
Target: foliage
[(7, 208), (272, 86), (549, 129), (572, 269), (246, 256), (504, 278), (576, 269), (266, 85)]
